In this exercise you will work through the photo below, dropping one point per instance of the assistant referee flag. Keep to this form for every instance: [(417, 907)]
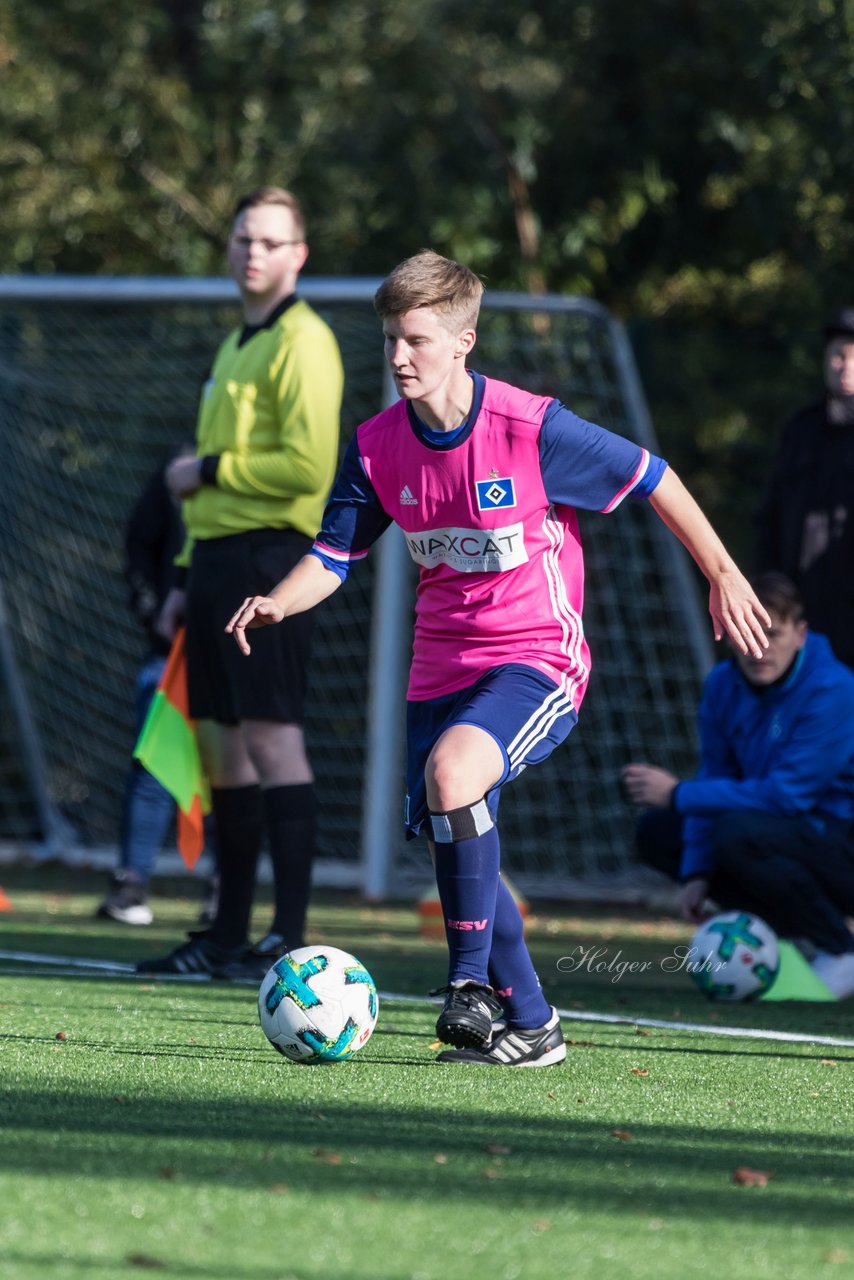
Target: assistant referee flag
[(168, 749)]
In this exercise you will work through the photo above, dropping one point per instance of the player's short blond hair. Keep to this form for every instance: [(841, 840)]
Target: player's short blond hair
[(273, 195), (429, 280)]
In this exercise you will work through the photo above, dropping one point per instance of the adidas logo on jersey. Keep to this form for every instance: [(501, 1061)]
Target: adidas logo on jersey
[(406, 498)]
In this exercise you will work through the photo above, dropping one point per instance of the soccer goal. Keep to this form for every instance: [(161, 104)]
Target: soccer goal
[(99, 380)]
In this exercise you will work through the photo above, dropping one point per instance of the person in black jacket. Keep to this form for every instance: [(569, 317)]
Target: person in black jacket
[(153, 536), (806, 522)]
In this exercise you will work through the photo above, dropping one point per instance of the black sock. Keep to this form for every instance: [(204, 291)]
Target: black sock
[(239, 817), (291, 826)]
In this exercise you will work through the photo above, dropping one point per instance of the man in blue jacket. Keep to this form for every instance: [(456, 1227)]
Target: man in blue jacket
[(767, 823)]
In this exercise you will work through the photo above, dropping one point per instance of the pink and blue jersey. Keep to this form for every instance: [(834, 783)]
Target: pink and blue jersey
[(488, 513)]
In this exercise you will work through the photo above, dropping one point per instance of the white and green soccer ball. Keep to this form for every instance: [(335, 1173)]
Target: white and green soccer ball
[(318, 1004), (734, 956)]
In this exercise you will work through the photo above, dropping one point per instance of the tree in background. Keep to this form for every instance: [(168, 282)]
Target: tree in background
[(686, 163)]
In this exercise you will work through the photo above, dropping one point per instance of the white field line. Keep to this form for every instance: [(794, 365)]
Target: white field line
[(109, 968), (66, 962), (747, 1033), (617, 1019)]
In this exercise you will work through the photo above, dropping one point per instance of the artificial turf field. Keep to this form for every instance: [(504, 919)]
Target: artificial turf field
[(148, 1127)]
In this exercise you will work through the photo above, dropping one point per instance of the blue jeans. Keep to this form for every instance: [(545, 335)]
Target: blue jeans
[(148, 809)]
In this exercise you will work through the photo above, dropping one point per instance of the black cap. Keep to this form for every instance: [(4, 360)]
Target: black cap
[(842, 325)]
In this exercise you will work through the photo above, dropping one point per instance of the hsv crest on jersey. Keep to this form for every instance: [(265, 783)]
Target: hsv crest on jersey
[(497, 491)]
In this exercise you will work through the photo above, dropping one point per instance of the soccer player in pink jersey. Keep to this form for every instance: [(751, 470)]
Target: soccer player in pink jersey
[(484, 480)]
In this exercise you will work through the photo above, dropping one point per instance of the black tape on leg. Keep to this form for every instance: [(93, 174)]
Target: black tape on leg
[(461, 824)]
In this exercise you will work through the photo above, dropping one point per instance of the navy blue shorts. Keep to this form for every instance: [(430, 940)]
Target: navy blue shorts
[(527, 714)]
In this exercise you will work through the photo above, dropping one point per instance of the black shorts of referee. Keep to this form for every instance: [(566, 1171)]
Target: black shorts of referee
[(223, 684)]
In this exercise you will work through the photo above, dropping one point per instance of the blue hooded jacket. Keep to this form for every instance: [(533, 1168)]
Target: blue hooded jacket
[(786, 750)]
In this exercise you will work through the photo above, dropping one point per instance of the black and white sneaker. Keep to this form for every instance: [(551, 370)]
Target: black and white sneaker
[(125, 900), (466, 1019), (516, 1047), (200, 956), (253, 964), (274, 946)]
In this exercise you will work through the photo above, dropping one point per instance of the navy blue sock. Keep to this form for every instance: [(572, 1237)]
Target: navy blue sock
[(511, 970), (467, 879)]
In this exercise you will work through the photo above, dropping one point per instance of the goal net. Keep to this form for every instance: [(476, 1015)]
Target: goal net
[(99, 381)]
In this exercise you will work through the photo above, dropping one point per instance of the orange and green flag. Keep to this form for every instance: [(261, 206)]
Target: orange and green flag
[(168, 749)]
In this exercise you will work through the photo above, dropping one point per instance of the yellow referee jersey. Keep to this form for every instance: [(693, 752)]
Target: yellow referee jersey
[(270, 411)]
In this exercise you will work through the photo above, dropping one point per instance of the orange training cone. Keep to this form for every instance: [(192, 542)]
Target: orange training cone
[(5, 902)]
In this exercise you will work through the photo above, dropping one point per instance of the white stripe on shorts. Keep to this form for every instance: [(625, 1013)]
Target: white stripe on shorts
[(538, 725)]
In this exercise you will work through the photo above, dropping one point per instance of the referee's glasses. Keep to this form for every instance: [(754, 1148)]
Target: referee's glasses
[(269, 246)]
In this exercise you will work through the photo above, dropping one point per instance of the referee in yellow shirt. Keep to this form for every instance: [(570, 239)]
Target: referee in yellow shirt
[(252, 500)]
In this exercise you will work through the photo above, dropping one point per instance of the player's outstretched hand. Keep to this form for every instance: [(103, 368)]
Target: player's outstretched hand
[(738, 614), (256, 611)]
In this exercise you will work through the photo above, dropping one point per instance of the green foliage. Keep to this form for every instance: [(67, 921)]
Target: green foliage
[(665, 156), (686, 164)]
